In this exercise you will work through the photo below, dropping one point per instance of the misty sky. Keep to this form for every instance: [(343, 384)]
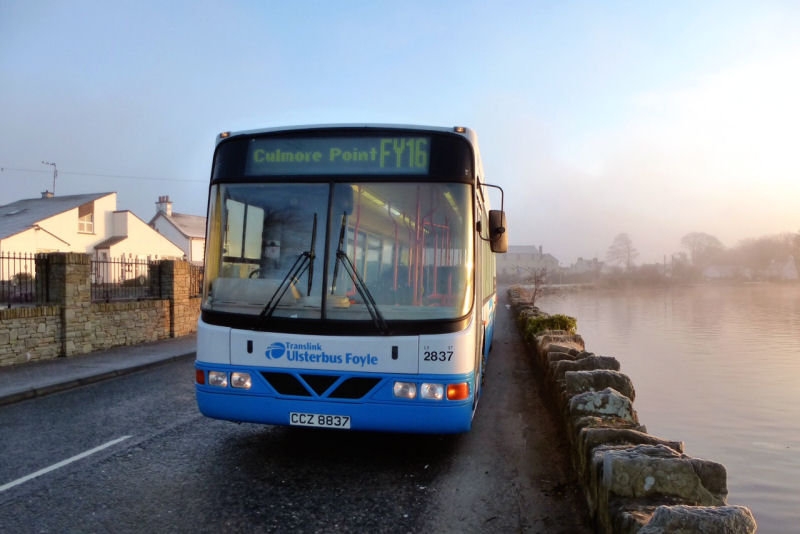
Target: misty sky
[(655, 119)]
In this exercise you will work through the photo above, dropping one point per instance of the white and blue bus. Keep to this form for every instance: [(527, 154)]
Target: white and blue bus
[(349, 278)]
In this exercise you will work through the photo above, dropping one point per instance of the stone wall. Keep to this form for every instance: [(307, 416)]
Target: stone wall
[(634, 482), (66, 322), (29, 334), (184, 310), (128, 323)]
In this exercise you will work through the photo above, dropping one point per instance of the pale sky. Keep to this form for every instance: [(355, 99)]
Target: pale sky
[(651, 118)]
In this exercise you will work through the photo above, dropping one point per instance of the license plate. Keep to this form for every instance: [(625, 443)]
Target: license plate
[(319, 420)]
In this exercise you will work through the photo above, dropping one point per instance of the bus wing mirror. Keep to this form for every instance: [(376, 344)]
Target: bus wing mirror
[(498, 237)]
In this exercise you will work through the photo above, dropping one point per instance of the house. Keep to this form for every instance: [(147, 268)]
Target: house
[(88, 223), (726, 272), (187, 231), (783, 270), (521, 261), (585, 270)]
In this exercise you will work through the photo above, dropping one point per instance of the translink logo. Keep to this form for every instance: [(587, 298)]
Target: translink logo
[(275, 351)]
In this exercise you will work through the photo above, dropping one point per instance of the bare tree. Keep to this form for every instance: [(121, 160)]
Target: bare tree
[(702, 247), (621, 252), (535, 278)]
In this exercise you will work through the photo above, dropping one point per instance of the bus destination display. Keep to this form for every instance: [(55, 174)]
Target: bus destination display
[(338, 155)]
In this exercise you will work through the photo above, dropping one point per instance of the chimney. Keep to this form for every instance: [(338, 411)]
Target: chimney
[(47, 194), (164, 206), (540, 250)]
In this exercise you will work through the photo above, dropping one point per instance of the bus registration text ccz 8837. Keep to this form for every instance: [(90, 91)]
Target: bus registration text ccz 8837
[(319, 420)]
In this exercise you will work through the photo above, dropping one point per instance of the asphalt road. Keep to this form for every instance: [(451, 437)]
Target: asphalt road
[(165, 468)]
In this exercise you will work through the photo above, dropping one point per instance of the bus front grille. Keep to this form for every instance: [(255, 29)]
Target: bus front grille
[(286, 384), (354, 388), (308, 385)]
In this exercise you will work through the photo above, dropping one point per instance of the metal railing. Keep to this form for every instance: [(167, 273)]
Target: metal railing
[(195, 280), (124, 279), (17, 278)]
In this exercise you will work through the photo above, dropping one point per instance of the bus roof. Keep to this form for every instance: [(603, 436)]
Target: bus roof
[(459, 130)]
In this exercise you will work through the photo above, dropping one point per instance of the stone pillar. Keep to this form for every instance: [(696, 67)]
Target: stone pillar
[(154, 279), (175, 287), (69, 285), (41, 279)]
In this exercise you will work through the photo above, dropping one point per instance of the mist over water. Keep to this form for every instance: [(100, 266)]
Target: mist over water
[(716, 367)]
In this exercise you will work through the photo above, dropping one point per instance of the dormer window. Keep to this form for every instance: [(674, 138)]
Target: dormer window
[(86, 218)]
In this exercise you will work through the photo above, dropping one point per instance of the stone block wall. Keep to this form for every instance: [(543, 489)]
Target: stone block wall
[(128, 323), (29, 334), (185, 316), (175, 286), (634, 483), (66, 322)]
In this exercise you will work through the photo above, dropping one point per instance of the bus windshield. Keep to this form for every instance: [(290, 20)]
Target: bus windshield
[(344, 251)]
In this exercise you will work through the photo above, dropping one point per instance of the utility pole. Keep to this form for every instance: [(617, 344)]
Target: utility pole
[(55, 174)]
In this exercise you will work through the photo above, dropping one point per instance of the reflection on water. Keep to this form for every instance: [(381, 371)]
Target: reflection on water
[(717, 367)]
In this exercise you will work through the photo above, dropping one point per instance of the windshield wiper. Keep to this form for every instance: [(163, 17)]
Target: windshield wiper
[(304, 261), (361, 287)]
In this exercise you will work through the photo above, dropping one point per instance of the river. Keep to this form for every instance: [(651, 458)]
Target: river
[(717, 367)]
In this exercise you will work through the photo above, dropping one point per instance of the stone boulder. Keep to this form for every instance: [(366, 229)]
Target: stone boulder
[(652, 471), (557, 369), (576, 382), (559, 356), (558, 337), (592, 437), (606, 402), (560, 348), (682, 519), (604, 421)]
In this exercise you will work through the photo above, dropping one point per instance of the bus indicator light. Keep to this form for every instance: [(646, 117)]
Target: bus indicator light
[(200, 376), (458, 391), (405, 390)]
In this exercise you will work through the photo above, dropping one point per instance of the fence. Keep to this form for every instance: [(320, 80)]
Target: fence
[(124, 279), (74, 312), (17, 278), (195, 280)]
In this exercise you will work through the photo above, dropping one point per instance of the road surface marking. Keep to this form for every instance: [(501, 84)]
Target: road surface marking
[(62, 463)]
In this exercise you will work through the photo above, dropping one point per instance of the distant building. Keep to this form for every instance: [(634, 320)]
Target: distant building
[(726, 272), (522, 261), (783, 270), (582, 267), (186, 231), (88, 223)]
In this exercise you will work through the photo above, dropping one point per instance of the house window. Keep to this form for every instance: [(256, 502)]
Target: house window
[(86, 218)]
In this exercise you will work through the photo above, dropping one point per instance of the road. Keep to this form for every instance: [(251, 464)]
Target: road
[(165, 468)]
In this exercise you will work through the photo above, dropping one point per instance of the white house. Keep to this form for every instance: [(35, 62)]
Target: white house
[(87, 223), (187, 231), (523, 261), (783, 270)]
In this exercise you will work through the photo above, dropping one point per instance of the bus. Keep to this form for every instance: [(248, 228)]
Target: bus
[(349, 278)]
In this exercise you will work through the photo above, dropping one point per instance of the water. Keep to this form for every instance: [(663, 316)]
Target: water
[(717, 367)]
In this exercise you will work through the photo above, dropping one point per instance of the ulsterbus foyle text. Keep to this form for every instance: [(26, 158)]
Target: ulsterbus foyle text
[(350, 278)]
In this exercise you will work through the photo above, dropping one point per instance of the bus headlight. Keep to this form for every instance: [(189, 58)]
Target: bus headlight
[(241, 380), (432, 391), (218, 378), (405, 390)]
